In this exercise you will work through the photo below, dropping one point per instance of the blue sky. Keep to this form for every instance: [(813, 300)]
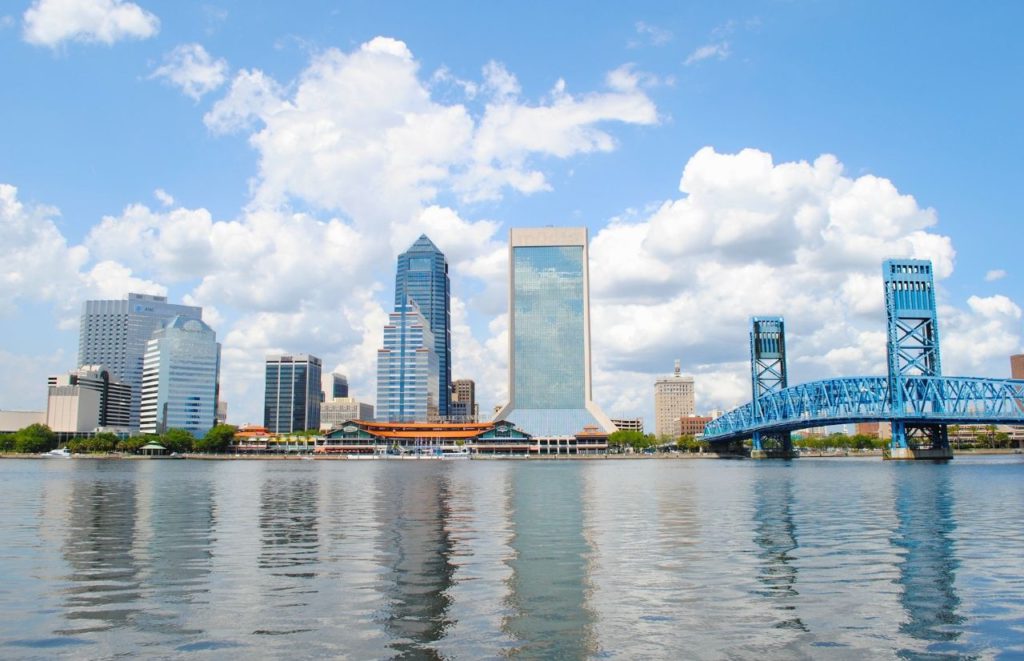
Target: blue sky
[(297, 151)]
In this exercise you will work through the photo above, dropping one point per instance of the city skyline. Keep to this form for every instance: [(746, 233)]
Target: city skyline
[(667, 131)]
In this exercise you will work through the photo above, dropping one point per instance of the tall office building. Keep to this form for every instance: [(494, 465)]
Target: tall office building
[(87, 399), (407, 368), (291, 400), (422, 275), (339, 386), (462, 407), (1017, 366), (180, 378), (549, 334), (673, 400), (114, 334)]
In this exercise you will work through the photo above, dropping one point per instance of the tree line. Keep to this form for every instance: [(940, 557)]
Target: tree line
[(38, 438)]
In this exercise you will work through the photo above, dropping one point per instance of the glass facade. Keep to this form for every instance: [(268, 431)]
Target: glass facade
[(114, 333), (549, 339), (407, 369), (180, 376), (548, 310), (291, 400), (422, 275)]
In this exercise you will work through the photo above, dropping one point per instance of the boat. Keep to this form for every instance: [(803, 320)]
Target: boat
[(61, 453), (459, 453)]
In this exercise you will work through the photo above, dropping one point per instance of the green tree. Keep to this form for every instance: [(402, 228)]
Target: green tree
[(6, 442), (133, 444), (35, 438), (177, 440), (218, 439)]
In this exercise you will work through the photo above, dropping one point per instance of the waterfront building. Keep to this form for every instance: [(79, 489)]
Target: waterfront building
[(462, 407), (422, 275), (1017, 366), (12, 421), (180, 378), (338, 386), (549, 334), (429, 439), (629, 424), (693, 425), (291, 397), (114, 333), (339, 410), (673, 400), (407, 368), (88, 399)]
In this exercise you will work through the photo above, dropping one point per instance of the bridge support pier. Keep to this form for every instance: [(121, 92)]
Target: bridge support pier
[(918, 441), (778, 445)]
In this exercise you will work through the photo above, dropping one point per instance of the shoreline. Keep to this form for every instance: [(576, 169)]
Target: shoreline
[(488, 457)]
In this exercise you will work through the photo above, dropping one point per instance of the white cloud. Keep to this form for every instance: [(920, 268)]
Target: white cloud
[(360, 133), (719, 50), (652, 34), (750, 236), (165, 198), (192, 69), (36, 263), (995, 274), (52, 22)]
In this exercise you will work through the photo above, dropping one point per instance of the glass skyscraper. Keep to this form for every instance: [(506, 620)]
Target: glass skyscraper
[(422, 275), (114, 334), (291, 401), (407, 368), (549, 334), (180, 375)]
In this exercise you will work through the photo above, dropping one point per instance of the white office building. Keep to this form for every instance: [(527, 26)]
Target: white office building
[(180, 378)]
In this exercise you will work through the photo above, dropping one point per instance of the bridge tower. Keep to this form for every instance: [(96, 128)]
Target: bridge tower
[(913, 350), (768, 375)]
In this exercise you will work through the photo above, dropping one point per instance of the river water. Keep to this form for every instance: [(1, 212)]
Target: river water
[(816, 558)]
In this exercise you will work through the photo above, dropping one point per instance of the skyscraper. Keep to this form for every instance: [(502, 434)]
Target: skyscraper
[(407, 368), (549, 334), (114, 333), (180, 376), (86, 399), (291, 400), (462, 407), (1017, 366), (339, 385), (673, 399), (422, 275)]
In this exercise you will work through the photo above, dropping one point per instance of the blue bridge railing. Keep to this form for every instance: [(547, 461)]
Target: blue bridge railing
[(935, 399)]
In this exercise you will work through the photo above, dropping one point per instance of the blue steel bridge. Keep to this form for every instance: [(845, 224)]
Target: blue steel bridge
[(913, 397)]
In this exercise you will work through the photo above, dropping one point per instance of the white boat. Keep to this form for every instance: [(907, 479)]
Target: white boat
[(62, 453), (460, 453)]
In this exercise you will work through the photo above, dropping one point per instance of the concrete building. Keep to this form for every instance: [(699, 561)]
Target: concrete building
[(292, 395), (463, 407), (222, 412), (693, 425), (673, 400), (1017, 366), (629, 424), (337, 411), (407, 368), (12, 421), (114, 333), (88, 399), (549, 334), (422, 275), (180, 378)]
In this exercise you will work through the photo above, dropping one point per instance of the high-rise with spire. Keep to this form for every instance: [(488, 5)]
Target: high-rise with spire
[(422, 275)]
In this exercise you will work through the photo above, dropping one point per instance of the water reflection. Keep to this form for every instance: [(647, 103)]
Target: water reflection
[(416, 551), (775, 536), (289, 539), (924, 511), (549, 588), (105, 580)]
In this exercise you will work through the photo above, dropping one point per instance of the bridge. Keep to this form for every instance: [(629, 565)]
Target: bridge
[(914, 398)]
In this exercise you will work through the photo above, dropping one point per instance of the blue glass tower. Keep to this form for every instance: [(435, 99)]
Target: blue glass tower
[(407, 368), (422, 276), (549, 334)]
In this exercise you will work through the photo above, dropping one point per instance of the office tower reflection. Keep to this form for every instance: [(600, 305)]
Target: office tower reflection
[(775, 536), (415, 550), (924, 511), (104, 590), (550, 583)]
